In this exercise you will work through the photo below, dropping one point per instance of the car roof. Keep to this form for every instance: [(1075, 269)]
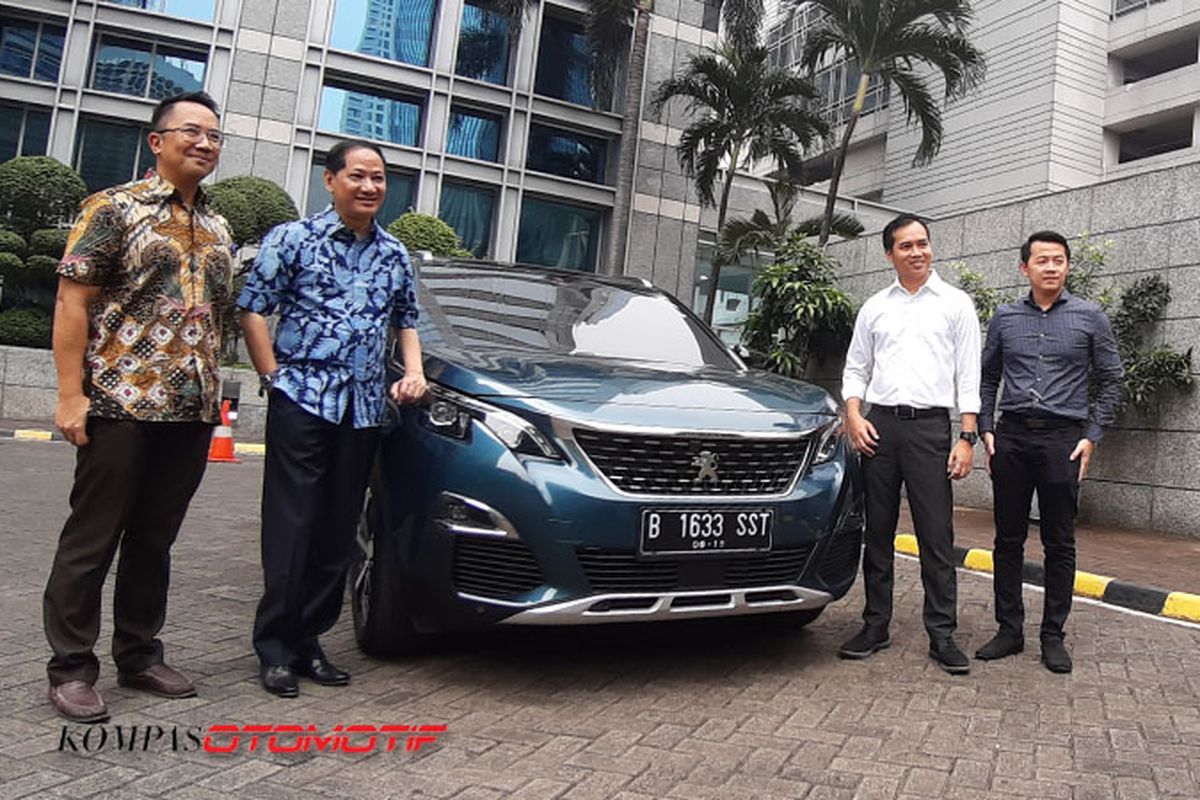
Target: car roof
[(536, 272)]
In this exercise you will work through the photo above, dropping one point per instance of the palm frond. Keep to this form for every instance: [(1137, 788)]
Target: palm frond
[(920, 105), (743, 21), (514, 11), (607, 27), (847, 226)]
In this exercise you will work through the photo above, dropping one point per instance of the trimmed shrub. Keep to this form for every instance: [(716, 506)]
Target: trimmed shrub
[(231, 204), (269, 202), (26, 327), (11, 242), (425, 232), (38, 192), (42, 265), (49, 242), (10, 262)]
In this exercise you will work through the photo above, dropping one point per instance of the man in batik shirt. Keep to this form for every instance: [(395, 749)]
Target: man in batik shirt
[(137, 331), (337, 279)]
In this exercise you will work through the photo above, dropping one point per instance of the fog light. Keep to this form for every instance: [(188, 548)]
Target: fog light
[(467, 515)]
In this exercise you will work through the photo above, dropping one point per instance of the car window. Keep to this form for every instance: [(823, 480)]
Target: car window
[(564, 316)]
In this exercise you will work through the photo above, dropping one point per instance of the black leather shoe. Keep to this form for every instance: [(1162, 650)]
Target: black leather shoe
[(1000, 646), (868, 641), (280, 680), (1055, 656), (949, 657), (320, 670)]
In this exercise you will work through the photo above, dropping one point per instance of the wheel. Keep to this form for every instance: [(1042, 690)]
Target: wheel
[(380, 606)]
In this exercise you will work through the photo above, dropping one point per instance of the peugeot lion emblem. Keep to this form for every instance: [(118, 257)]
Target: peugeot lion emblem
[(706, 460)]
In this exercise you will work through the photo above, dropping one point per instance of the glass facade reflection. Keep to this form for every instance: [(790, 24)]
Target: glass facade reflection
[(473, 134), (558, 235), (109, 153), (563, 64), (468, 209), (401, 188), (571, 155), (734, 299), (483, 45), (23, 132), (146, 69), (394, 29), (30, 49), (189, 9), (370, 116)]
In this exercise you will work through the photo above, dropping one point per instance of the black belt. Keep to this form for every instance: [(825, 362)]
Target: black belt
[(1039, 422), (911, 412)]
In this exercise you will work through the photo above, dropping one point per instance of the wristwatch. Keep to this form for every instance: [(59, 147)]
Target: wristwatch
[(970, 437), (265, 382)]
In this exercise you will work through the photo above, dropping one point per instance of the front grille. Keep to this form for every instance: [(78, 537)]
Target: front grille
[(609, 571), (675, 465), (840, 562), (498, 568)]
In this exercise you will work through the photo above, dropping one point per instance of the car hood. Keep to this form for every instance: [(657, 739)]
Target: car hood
[(602, 392)]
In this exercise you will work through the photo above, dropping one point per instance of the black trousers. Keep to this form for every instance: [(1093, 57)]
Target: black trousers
[(314, 480), (912, 452), (133, 483), (1028, 460)]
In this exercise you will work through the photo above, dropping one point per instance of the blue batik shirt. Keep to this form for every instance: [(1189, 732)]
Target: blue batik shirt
[(336, 295)]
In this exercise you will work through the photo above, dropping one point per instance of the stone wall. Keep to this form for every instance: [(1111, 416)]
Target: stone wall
[(1146, 473)]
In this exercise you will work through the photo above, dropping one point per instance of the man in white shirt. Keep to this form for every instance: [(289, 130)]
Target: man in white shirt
[(914, 355)]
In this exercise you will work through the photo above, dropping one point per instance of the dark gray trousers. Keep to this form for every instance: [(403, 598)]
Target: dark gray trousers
[(133, 483), (912, 453)]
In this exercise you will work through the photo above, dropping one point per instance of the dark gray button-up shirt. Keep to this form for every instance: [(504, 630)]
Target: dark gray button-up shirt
[(1045, 359)]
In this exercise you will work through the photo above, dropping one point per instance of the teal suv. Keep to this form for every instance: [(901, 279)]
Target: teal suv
[(590, 452)]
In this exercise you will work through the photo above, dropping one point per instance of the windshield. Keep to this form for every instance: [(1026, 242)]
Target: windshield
[(571, 315)]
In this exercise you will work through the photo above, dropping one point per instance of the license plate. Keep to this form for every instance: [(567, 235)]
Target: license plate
[(699, 530)]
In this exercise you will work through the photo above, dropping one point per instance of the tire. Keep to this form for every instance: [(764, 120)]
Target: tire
[(378, 600)]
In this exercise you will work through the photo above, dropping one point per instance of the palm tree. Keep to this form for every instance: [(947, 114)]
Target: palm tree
[(897, 41), (762, 231), (745, 111)]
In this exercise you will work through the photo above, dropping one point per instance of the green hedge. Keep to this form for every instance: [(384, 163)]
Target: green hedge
[(42, 264), (38, 192), (425, 232), (50, 242), (26, 327), (10, 262), (11, 242)]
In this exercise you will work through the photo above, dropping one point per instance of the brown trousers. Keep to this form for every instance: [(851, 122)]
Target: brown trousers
[(133, 483)]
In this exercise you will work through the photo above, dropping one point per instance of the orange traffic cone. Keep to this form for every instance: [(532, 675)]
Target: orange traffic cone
[(221, 448)]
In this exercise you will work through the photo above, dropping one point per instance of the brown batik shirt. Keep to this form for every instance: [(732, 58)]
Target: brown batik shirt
[(165, 276)]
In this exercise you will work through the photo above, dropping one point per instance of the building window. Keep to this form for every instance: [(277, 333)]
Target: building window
[(1153, 140), (734, 298), (1160, 60), (473, 134), (1124, 6), (558, 235), (571, 155), (401, 189), (564, 68), (189, 9), (483, 45), (31, 49), (394, 29), (370, 116), (146, 69), (109, 153), (468, 209), (23, 132)]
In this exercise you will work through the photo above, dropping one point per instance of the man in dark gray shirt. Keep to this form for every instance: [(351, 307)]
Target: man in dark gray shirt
[(1046, 347)]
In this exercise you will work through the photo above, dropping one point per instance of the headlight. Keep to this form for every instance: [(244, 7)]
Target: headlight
[(827, 441), (449, 413)]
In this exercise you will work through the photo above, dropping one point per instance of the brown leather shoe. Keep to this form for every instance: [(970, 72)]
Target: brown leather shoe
[(78, 701), (160, 680)]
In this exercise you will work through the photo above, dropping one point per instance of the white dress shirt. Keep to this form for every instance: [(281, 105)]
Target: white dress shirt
[(919, 350)]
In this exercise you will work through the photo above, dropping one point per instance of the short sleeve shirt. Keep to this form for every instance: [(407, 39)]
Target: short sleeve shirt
[(165, 276), (335, 294)]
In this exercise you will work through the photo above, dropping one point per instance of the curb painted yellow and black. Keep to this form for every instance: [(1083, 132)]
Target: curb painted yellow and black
[(1159, 602), (36, 435)]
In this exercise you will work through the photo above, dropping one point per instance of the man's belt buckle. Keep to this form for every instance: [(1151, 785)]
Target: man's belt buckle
[(905, 412)]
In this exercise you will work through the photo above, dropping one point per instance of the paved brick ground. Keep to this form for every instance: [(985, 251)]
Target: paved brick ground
[(702, 711)]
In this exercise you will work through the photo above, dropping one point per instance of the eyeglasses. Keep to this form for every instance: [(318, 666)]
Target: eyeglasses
[(195, 134)]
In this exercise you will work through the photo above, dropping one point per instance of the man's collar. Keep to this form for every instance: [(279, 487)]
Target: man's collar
[(1063, 297), (154, 188), (333, 224), (933, 283)]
